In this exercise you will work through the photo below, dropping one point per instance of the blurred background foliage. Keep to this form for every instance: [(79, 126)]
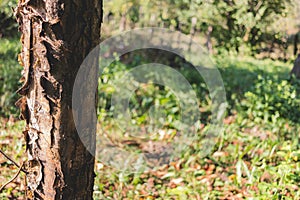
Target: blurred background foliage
[(8, 25), (261, 27), (257, 29)]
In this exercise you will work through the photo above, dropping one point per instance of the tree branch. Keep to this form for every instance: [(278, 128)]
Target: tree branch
[(11, 160), (13, 178)]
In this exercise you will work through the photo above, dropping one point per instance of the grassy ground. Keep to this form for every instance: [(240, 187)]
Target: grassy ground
[(256, 156)]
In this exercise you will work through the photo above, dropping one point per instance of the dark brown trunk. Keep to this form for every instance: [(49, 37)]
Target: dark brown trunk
[(296, 40), (56, 37), (296, 69)]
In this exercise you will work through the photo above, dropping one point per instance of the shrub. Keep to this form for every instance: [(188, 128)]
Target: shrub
[(10, 72), (270, 99), (8, 24)]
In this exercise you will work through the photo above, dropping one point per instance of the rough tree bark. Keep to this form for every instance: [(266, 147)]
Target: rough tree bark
[(296, 69), (56, 37)]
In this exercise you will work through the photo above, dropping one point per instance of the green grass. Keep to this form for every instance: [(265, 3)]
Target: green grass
[(10, 73), (256, 156), (12, 143)]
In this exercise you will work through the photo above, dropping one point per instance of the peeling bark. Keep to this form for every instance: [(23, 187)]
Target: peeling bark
[(56, 37)]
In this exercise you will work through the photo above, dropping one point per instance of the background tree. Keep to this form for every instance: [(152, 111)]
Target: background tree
[(254, 25), (56, 37), (258, 26)]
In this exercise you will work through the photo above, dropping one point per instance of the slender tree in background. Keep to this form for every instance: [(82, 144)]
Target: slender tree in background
[(296, 69), (56, 37)]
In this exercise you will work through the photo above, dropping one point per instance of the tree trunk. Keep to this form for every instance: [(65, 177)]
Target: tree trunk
[(296, 69), (122, 26), (296, 40), (192, 32), (208, 43), (56, 37)]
